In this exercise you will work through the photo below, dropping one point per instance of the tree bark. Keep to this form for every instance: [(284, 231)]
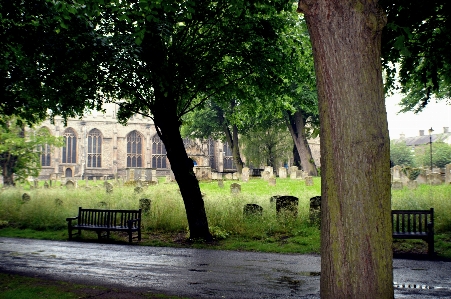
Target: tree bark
[(168, 129), (7, 163), (356, 236), (296, 127), (232, 139)]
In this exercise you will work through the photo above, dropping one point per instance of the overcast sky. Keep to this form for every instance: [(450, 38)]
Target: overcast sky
[(435, 115)]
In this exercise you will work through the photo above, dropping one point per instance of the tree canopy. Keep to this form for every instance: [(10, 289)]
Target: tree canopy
[(415, 50)]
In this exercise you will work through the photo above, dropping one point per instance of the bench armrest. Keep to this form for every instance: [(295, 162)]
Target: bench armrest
[(69, 219), (130, 222)]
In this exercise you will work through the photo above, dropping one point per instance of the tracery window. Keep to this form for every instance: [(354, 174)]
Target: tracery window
[(94, 148), (44, 149), (158, 153), (135, 149), (228, 163), (70, 146)]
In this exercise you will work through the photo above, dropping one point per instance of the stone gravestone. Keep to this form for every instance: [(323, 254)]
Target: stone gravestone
[(315, 211), (434, 178), (108, 187), (138, 189), (26, 197), (397, 185), (412, 184), (245, 174), (36, 183), (144, 204), (58, 202), (309, 181), (221, 184), (287, 207), (293, 173), (272, 181), (282, 173), (46, 185), (103, 204), (266, 175), (70, 184), (235, 188), (448, 173), (252, 210), (270, 170)]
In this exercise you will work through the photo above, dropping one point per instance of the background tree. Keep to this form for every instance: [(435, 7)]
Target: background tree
[(20, 154), (401, 154), (356, 232), (270, 145), (415, 50), (441, 155)]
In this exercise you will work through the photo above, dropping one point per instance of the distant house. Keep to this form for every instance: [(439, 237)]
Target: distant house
[(423, 138)]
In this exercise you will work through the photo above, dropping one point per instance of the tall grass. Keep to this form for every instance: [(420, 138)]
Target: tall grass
[(48, 208)]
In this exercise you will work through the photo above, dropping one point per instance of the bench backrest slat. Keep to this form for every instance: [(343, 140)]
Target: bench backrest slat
[(412, 221), (107, 218)]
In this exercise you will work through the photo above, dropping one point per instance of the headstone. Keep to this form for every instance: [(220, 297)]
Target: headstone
[(221, 184), (412, 184), (293, 175), (108, 187), (272, 181), (26, 197), (292, 169), (70, 184), (245, 174), (266, 175), (434, 178), (270, 170), (252, 210), (131, 175), (138, 189), (58, 202), (287, 207), (235, 188), (396, 172), (309, 181), (36, 183), (46, 185), (282, 173), (95, 180), (315, 211), (448, 173), (228, 176), (144, 204), (103, 204), (397, 185)]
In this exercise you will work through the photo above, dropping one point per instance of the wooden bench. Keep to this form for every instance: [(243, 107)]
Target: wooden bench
[(100, 220), (414, 224)]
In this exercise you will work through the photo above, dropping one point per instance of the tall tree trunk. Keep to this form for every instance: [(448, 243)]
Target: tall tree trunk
[(356, 233), (232, 140), (7, 163), (168, 129), (296, 127)]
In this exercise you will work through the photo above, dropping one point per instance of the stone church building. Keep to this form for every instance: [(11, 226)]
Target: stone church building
[(98, 146)]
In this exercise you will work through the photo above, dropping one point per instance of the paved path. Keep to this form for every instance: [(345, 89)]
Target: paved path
[(198, 273)]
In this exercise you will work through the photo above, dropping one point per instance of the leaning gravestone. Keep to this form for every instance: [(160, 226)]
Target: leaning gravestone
[(70, 184), (144, 204), (309, 181), (272, 181), (108, 187), (252, 210), (287, 207), (221, 184), (315, 211), (235, 188), (26, 197)]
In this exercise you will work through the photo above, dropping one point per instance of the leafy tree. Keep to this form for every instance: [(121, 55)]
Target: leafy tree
[(356, 251), (441, 155), (415, 50), (20, 154), (267, 146), (401, 154)]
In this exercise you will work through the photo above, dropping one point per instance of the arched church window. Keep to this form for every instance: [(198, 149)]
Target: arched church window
[(70, 146), (44, 149), (135, 149), (228, 163), (94, 148), (158, 153)]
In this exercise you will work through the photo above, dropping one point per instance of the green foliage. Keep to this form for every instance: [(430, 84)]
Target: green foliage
[(19, 151), (415, 50), (441, 154), (401, 154)]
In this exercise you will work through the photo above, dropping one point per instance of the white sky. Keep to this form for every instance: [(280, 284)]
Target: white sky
[(435, 115)]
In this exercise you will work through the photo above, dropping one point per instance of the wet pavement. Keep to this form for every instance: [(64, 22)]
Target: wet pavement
[(199, 273)]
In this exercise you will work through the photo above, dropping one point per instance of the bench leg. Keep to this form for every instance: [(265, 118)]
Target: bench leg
[(431, 246)]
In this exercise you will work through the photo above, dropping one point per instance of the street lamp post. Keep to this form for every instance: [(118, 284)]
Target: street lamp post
[(430, 143)]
